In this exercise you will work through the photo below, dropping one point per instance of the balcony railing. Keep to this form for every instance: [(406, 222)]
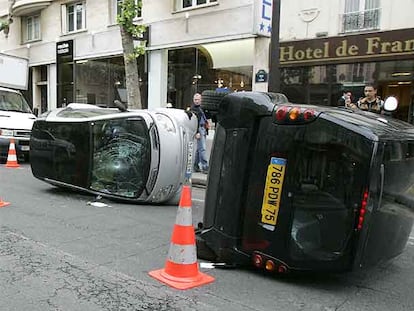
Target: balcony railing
[(359, 21)]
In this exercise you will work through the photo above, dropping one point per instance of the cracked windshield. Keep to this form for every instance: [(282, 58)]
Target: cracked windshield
[(121, 157)]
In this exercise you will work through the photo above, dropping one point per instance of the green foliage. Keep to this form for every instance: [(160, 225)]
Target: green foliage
[(138, 51), (4, 24), (129, 10)]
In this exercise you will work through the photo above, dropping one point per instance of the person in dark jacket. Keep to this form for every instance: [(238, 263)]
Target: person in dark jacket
[(371, 102), (200, 159)]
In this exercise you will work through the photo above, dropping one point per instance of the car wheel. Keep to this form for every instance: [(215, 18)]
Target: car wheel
[(211, 102)]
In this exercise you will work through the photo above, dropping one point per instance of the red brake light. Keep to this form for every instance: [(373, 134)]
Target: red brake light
[(362, 210), (293, 115), (308, 115), (281, 113), (257, 260)]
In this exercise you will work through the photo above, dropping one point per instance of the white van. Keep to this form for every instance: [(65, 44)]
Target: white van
[(16, 117)]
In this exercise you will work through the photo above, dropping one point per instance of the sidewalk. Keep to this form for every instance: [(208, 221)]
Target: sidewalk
[(199, 179)]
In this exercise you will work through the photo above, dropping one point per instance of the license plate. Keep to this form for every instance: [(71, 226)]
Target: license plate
[(25, 148), (273, 192)]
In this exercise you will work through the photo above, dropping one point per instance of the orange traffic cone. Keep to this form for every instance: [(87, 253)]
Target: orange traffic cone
[(181, 267), (3, 203), (12, 157)]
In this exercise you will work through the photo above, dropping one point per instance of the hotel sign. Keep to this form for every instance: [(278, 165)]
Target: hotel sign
[(262, 18), (387, 45)]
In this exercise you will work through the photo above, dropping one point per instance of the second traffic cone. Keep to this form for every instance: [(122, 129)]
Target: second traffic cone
[(12, 157), (181, 267)]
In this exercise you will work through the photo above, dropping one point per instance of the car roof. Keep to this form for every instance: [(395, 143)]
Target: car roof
[(369, 124)]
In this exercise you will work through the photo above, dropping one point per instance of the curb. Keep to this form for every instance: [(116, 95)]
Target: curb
[(199, 179)]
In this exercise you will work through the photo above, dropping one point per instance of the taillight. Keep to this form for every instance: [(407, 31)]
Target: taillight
[(308, 115), (362, 210), (282, 269), (294, 115), (270, 265), (257, 260), (281, 113)]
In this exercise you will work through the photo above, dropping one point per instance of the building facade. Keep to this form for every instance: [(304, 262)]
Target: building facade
[(366, 41), (75, 52)]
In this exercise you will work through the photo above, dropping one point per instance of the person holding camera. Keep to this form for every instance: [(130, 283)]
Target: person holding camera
[(371, 102)]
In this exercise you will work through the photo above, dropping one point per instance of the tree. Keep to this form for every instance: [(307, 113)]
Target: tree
[(5, 23), (130, 31)]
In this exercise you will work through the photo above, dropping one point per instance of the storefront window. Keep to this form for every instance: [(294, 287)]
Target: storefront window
[(324, 85), (100, 82), (190, 70)]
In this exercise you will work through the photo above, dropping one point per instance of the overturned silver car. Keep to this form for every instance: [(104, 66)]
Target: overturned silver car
[(136, 155)]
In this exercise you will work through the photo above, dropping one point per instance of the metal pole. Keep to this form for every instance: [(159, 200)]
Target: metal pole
[(274, 67)]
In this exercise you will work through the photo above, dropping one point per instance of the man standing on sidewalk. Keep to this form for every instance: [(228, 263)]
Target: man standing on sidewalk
[(200, 159)]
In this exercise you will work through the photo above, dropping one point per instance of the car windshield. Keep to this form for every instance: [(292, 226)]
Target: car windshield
[(10, 101), (121, 156)]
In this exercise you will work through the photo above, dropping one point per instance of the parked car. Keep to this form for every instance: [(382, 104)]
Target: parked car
[(133, 155)]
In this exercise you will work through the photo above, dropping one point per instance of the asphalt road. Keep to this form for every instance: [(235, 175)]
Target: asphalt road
[(58, 252)]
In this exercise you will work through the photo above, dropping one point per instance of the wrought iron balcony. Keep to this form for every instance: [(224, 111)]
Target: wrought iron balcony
[(27, 7), (359, 21)]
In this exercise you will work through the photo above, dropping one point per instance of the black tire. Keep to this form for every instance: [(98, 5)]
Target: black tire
[(211, 100)]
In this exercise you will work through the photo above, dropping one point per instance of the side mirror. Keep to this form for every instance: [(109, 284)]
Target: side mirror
[(391, 103), (36, 111)]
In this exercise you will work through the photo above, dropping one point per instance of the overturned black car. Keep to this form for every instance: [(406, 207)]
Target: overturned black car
[(299, 187)]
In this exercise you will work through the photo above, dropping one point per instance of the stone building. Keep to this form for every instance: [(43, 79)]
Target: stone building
[(75, 53)]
